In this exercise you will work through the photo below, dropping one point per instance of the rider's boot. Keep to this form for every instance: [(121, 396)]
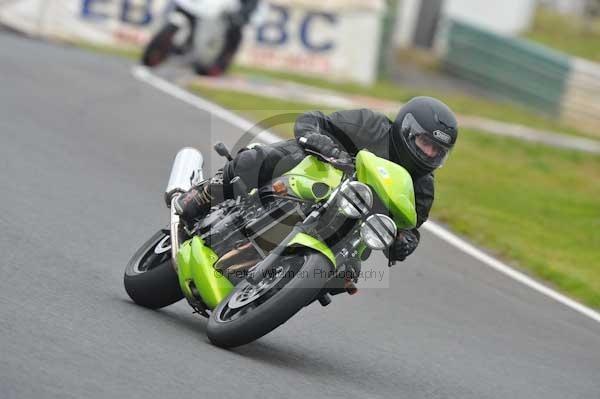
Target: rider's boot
[(196, 203)]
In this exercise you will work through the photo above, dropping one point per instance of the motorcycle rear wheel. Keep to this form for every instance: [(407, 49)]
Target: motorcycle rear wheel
[(150, 279), (160, 46), (230, 327)]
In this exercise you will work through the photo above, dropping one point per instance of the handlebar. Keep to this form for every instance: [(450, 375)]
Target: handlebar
[(342, 161)]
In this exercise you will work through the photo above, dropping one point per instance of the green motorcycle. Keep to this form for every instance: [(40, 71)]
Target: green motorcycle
[(256, 260)]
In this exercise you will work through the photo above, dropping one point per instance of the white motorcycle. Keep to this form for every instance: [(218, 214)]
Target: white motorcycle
[(210, 31)]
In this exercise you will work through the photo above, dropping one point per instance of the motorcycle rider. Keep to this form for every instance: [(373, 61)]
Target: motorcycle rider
[(419, 139)]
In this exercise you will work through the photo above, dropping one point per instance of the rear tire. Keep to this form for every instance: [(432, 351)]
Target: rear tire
[(150, 279), (256, 321), (160, 46)]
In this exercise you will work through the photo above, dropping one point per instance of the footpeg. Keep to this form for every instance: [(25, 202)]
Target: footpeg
[(325, 299)]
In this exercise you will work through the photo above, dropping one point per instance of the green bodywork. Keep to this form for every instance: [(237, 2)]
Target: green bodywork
[(393, 185), (308, 174), (305, 240), (195, 265)]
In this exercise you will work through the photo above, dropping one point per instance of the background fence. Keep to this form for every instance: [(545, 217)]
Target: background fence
[(581, 100), (536, 76), (512, 68)]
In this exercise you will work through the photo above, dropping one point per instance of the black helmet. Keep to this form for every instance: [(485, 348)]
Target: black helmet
[(423, 134)]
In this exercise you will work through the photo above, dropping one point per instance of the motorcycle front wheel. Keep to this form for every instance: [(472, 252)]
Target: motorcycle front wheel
[(251, 311), (150, 279)]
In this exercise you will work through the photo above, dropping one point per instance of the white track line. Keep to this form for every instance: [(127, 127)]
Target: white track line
[(144, 75), (507, 270)]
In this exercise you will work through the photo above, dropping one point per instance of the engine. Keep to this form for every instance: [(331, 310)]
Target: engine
[(242, 234)]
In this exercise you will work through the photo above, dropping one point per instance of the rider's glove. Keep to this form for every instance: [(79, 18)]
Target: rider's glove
[(405, 244), (320, 143)]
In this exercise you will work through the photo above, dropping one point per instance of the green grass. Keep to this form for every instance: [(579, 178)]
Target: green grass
[(131, 53), (536, 207), (566, 33), (257, 108), (460, 103)]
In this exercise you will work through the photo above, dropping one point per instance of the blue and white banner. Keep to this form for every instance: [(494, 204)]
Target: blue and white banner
[(337, 39)]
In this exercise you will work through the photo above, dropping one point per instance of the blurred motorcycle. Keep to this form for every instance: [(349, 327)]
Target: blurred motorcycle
[(208, 30), (256, 260)]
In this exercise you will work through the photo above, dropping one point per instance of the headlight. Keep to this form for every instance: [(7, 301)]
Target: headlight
[(355, 199), (378, 231)]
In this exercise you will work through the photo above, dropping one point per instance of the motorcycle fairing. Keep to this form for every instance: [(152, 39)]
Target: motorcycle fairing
[(312, 179), (305, 240), (392, 183), (195, 263)]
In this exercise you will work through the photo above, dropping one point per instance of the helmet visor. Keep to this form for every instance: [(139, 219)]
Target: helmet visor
[(423, 144)]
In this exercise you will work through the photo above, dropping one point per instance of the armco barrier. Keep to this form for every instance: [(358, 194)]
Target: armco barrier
[(512, 68), (534, 75)]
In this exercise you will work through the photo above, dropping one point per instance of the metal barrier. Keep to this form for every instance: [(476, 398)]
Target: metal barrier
[(541, 78), (512, 68), (581, 101)]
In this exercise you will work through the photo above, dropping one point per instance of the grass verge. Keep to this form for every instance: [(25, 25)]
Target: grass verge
[(460, 103), (534, 206), (130, 52)]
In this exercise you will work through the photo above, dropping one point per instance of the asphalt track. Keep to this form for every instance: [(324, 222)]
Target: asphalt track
[(85, 152)]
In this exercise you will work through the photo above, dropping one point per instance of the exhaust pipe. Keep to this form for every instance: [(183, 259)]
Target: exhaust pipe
[(185, 173)]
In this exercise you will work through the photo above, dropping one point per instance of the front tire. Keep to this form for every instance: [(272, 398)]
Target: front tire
[(230, 327), (150, 279)]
